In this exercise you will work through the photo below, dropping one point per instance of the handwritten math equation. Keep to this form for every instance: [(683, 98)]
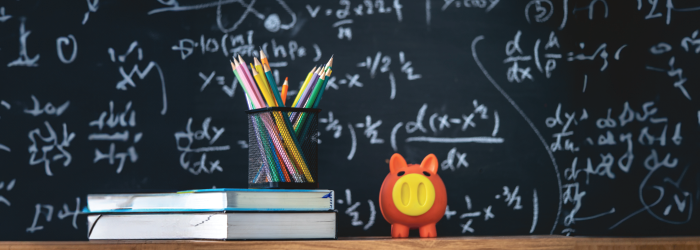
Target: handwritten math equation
[(420, 130), (510, 198), (648, 149)]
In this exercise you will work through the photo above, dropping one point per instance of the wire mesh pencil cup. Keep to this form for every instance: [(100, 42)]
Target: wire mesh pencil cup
[(280, 154)]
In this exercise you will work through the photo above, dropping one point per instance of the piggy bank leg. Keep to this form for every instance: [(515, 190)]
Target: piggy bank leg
[(399, 231), (428, 231)]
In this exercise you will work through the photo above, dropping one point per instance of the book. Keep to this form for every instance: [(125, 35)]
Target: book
[(212, 225), (223, 199)]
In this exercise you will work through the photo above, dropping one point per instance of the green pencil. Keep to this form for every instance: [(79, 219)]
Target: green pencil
[(309, 103)]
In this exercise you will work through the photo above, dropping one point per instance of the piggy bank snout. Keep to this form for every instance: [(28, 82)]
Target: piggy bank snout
[(413, 194)]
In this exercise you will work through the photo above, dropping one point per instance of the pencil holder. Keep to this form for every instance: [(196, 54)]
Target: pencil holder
[(283, 148)]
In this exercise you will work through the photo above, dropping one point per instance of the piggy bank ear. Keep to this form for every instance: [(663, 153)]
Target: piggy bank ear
[(430, 164), (397, 162)]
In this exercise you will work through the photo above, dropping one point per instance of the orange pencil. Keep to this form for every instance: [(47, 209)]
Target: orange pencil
[(285, 86)]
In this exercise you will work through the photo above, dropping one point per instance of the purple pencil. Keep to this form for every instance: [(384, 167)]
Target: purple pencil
[(308, 89)]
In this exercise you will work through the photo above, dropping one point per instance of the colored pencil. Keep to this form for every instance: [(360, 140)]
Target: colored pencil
[(280, 144), (268, 98), (260, 134), (266, 147), (263, 59), (276, 142), (273, 83), (309, 103), (248, 81), (309, 87), (303, 86), (282, 159), (323, 89), (245, 92), (292, 146), (329, 65), (285, 87), (305, 127), (243, 67), (258, 68), (271, 80)]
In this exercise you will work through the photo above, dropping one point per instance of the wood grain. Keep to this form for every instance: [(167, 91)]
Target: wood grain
[(505, 242)]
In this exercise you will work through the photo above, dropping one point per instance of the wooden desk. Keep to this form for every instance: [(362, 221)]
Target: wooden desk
[(511, 242)]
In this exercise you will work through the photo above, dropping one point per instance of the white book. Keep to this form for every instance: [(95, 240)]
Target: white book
[(203, 200), (216, 226)]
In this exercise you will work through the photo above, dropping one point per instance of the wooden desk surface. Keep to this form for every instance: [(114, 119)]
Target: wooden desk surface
[(505, 242)]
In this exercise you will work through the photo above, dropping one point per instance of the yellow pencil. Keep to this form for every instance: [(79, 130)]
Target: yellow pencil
[(303, 87), (268, 98), (259, 69)]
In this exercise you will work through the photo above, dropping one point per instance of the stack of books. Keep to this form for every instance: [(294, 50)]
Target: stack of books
[(222, 214)]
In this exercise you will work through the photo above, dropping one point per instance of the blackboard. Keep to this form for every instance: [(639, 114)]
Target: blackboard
[(547, 116)]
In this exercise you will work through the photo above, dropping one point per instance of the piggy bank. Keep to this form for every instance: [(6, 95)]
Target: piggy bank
[(413, 197)]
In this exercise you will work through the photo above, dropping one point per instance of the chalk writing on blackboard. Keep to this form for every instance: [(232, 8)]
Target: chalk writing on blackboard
[(454, 160), (92, 7), (186, 139), (24, 58), (127, 78), (272, 21), (9, 187), (220, 80), (45, 149), (442, 122), (4, 17), (66, 40), (481, 4), (352, 208), (526, 118), (47, 210), (511, 197), (673, 71), (48, 108), (670, 7), (116, 121)]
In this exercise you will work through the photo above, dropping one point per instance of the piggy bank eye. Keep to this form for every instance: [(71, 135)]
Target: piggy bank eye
[(401, 173), (426, 173)]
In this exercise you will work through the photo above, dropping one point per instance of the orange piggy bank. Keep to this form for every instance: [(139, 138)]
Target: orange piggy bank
[(413, 197)]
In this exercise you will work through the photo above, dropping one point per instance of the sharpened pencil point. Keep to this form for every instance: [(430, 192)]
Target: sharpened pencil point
[(236, 62), (330, 62), (255, 72)]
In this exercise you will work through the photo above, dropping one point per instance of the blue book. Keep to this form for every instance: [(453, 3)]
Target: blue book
[(209, 200)]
